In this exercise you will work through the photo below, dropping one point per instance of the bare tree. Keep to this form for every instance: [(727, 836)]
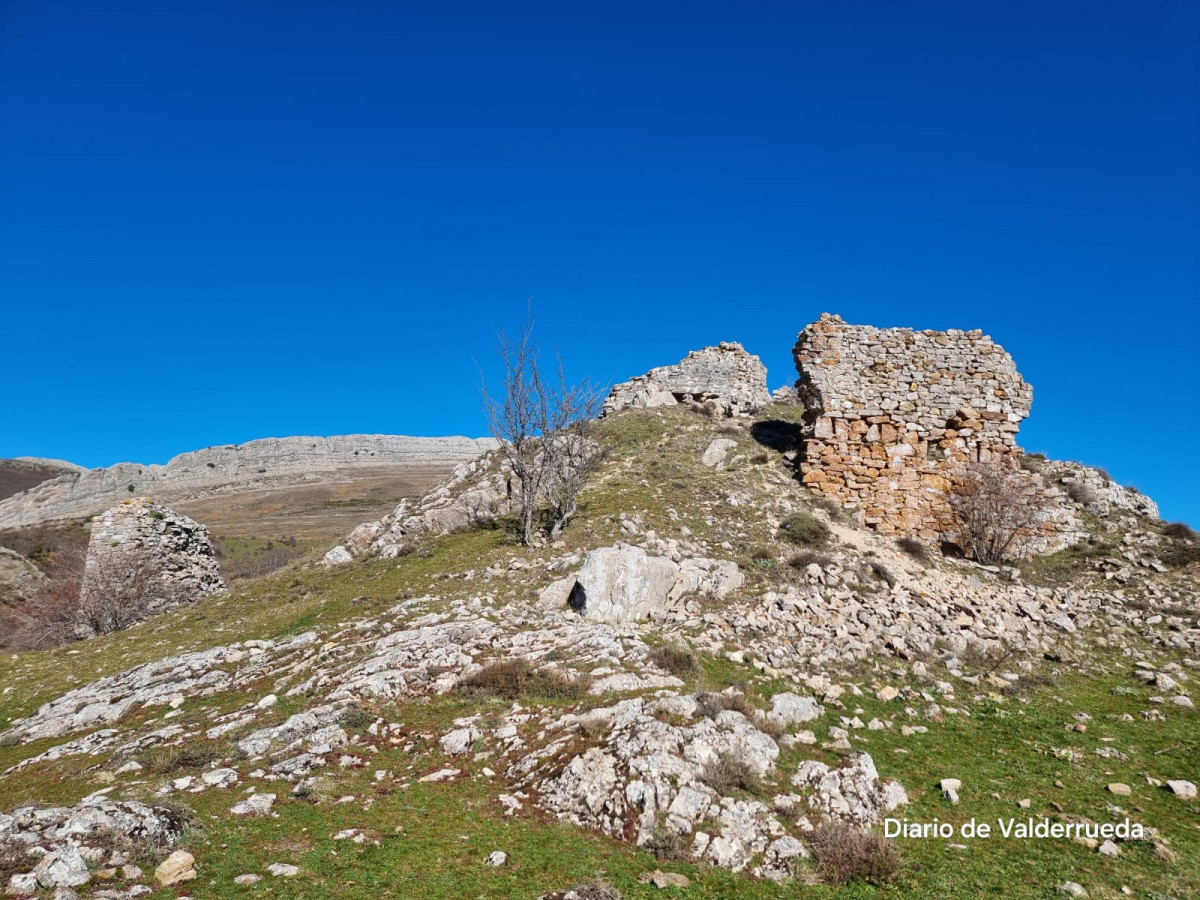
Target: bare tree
[(118, 590), (545, 429), (996, 509)]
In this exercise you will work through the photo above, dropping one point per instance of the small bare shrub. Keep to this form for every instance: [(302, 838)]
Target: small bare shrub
[(804, 529), (118, 589), (806, 558), (356, 717), (882, 573), (595, 889), (995, 509), (845, 854), (913, 548), (679, 661), (14, 859), (1080, 493), (513, 679), (1180, 531), (667, 844), (165, 760), (731, 773), (710, 704), (762, 457)]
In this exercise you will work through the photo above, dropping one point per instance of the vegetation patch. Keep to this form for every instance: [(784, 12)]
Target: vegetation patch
[(845, 854), (805, 530), (514, 679)]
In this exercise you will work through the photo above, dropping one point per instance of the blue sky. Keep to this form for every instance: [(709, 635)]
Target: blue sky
[(222, 221)]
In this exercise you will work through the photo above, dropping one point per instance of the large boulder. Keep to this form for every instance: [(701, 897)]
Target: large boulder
[(725, 378)]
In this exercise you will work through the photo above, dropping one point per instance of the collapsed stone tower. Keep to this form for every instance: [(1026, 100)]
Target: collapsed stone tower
[(727, 379), (890, 413), (139, 538)]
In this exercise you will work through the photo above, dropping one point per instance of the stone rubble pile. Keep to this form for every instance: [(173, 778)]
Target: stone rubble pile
[(1097, 493), (725, 380), (651, 778)]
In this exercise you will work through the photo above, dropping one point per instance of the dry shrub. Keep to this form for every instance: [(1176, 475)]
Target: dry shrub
[(995, 509), (729, 772), (355, 717), (513, 679), (165, 760), (761, 458), (806, 558), (596, 889), (913, 548), (679, 661), (883, 573), (14, 859), (1180, 531), (845, 854), (667, 844), (1080, 493), (118, 589), (711, 704), (804, 529)]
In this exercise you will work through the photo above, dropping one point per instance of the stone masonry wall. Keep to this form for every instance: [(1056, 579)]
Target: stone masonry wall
[(892, 412), (141, 532)]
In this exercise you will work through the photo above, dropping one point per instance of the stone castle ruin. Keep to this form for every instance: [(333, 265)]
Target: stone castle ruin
[(892, 413), (725, 380), (140, 539)]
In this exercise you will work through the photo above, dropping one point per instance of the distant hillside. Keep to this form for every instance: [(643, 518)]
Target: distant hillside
[(18, 475), (261, 465)]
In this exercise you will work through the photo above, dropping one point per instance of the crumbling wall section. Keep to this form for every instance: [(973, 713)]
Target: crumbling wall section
[(730, 381), (891, 413)]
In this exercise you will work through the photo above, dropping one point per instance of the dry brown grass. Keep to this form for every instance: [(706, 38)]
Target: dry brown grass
[(513, 679), (845, 854), (679, 661)]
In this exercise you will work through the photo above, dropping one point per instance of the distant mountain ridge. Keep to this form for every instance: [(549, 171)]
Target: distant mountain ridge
[(253, 465)]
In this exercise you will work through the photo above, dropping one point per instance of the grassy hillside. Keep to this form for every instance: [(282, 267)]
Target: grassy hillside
[(1075, 720)]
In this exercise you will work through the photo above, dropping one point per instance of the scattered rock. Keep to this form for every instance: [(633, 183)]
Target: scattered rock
[(1184, 789), (177, 868), (64, 867), (661, 879), (254, 805), (496, 858)]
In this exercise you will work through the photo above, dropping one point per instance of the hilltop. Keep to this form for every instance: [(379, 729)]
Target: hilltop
[(715, 672)]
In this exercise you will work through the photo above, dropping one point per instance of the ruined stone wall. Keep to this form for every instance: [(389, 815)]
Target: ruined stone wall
[(727, 378), (892, 412), (141, 533)]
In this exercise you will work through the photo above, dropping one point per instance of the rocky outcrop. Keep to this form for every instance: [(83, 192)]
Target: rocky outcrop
[(477, 491), (61, 841), (150, 556), (234, 467), (725, 379), (625, 584), (662, 774), (1094, 490), (20, 579)]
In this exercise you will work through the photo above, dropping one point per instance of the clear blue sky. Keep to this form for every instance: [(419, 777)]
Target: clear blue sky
[(222, 221)]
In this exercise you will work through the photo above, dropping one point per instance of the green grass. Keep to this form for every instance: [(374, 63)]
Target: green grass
[(433, 838)]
